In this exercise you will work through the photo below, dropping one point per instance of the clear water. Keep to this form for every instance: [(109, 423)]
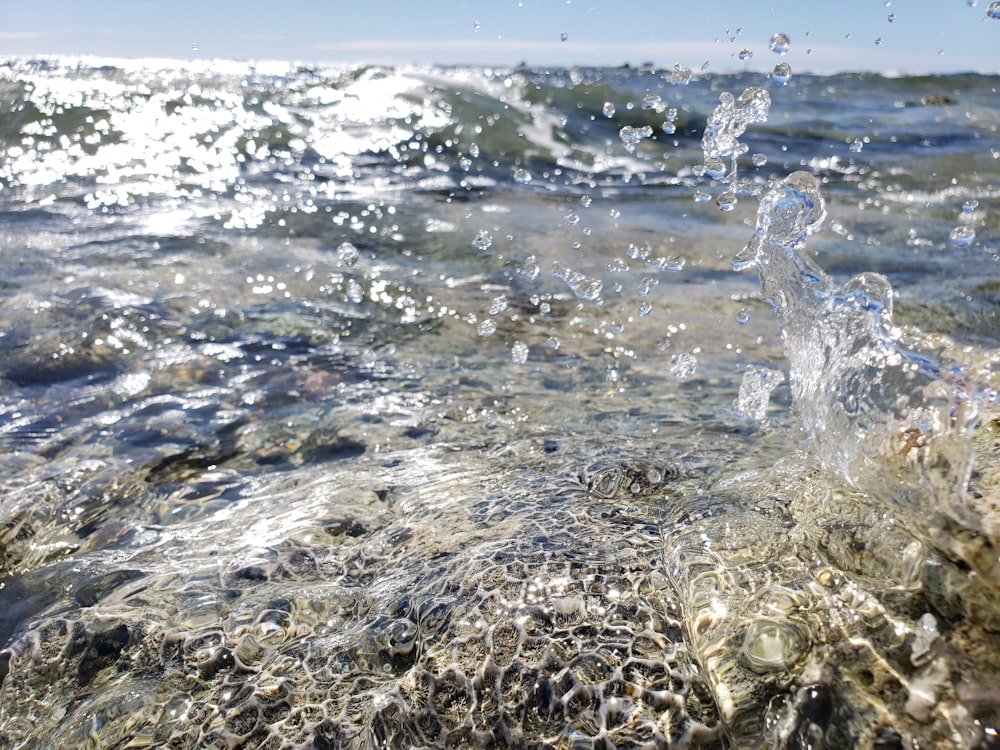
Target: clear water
[(380, 407)]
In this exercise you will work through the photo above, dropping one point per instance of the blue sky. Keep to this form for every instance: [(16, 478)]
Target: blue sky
[(923, 35)]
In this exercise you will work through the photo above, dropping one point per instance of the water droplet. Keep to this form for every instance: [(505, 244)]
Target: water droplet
[(781, 74), (498, 304), (756, 386), (780, 43), (680, 75), (652, 101), (571, 219), (614, 213), (701, 196), (487, 328), (759, 160), (743, 316), (529, 269), (672, 263), (583, 287), (962, 236), (669, 128), (474, 150), (519, 353), (892, 17), (970, 205), (772, 645), (617, 265), (483, 240), (727, 201), (476, 25), (563, 36), (683, 365), (347, 254), (631, 136), (856, 145), (993, 10), (878, 41), (745, 54), (354, 292), (646, 285), (645, 308), (522, 176), (608, 109), (715, 167), (465, 163)]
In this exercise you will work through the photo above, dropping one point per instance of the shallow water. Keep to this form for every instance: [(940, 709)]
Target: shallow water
[(423, 407)]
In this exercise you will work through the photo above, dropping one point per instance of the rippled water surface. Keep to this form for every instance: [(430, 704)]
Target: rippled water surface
[(390, 407)]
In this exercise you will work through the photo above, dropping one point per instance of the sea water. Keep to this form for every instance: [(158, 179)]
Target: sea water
[(398, 407)]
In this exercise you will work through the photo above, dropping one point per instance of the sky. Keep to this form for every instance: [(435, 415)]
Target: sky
[(899, 36)]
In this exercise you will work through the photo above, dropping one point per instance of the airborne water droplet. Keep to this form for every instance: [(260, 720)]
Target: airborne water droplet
[(631, 136), (522, 176), (519, 353), (727, 201), (970, 205), (743, 316), (781, 74), (487, 328), (745, 54), (347, 254), (608, 109), (563, 36), (651, 101), (483, 240), (780, 44), (759, 160), (962, 236), (993, 10), (856, 145)]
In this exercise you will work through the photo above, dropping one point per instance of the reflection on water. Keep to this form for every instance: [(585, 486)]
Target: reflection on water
[(373, 407)]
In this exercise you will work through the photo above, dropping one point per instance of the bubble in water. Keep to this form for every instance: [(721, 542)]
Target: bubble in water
[(683, 365), (563, 36), (773, 646), (519, 353), (856, 145), (781, 74), (759, 160), (347, 254), (756, 387), (483, 240), (780, 43), (962, 236), (487, 328), (522, 176), (993, 10), (745, 54), (631, 136), (727, 201), (608, 109)]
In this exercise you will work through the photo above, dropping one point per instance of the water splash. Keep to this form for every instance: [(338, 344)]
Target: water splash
[(889, 420)]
